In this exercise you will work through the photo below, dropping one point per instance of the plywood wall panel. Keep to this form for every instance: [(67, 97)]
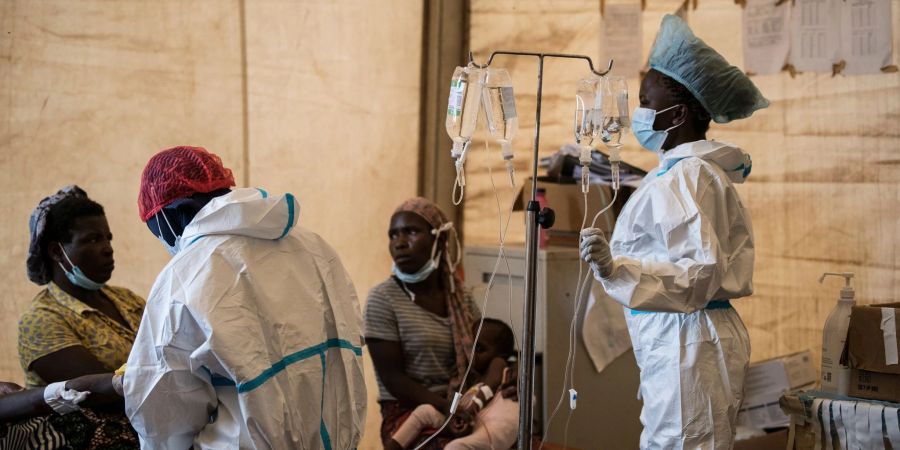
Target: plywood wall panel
[(333, 109), (89, 91), (825, 189), (333, 105)]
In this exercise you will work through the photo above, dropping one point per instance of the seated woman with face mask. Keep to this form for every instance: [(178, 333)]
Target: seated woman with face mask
[(76, 325), (418, 322)]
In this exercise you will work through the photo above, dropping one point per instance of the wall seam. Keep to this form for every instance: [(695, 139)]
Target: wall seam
[(245, 101)]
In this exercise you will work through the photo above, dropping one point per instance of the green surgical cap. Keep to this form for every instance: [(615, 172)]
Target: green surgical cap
[(724, 90)]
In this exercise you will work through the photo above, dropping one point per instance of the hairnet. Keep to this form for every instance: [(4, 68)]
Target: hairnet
[(725, 91), (37, 225), (180, 172)]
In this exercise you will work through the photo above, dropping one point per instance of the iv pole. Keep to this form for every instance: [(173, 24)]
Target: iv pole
[(534, 217)]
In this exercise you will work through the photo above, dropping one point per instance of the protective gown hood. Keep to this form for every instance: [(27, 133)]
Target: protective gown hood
[(245, 212), (735, 162), (251, 337)]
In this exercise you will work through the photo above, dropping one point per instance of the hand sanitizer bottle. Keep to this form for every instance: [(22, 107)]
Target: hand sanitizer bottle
[(836, 376)]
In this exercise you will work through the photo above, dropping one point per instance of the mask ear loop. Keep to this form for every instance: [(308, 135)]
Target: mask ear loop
[(437, 235), (458, 258), (673, 126), (158, 227), (66, 255), (171, 230), (453, 264)]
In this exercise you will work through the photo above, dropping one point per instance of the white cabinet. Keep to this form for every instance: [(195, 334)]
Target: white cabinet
[(607, 416)]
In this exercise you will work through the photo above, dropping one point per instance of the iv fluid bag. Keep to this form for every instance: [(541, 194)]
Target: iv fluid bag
[(614, 95), (588, 111), (462, 106), (500, 108)]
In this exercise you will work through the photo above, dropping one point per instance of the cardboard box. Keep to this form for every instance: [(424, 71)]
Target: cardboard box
[(767, 381), (871, 351), (874, 385), (567, 201), (771, 441)]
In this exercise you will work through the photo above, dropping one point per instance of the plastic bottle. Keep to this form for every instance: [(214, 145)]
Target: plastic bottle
[(616, 121), (462, 116), (836, 376), (500, 111), (588, 121), (462, 107)]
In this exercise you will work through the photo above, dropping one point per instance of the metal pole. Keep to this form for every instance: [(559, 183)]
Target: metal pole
[(532, 230)]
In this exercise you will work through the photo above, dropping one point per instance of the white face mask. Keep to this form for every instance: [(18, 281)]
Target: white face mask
[(172, 249), (419, 276)]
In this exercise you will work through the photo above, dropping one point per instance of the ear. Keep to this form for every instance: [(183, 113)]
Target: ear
[(54, 252), (680, 115)]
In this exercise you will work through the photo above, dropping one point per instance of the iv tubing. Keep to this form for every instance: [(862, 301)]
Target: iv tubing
[(501, 255), (568, 377), (526, 368)]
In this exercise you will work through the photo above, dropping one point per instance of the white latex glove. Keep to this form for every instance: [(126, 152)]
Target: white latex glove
[(595, 251), (63, 400)]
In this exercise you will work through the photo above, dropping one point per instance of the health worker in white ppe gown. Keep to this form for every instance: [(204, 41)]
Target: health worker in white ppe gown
[(683, 246), (251, 337)]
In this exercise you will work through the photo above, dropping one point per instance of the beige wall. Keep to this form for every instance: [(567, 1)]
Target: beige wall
[(91, 89), (825, 189)]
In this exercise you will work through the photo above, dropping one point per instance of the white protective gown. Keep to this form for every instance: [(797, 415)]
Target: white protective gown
[(684, 240), (251, 337)]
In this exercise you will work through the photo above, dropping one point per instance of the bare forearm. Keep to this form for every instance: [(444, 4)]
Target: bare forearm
[(102, 393), (23, 405)]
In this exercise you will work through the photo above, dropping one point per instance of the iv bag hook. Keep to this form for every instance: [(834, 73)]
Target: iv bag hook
[(541, 56)]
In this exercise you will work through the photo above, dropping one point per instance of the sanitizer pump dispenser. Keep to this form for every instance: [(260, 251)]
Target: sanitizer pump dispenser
[(836, 376)]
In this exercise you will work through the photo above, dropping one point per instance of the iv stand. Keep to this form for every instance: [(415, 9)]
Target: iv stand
[(534, 217)]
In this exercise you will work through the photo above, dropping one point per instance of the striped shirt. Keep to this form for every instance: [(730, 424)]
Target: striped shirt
[(427, 342), (31, 434)]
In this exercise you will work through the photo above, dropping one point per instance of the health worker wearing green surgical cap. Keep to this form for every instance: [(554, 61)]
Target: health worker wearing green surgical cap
[(683, 246)]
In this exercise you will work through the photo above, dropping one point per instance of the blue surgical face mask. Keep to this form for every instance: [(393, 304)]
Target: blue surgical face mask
[(642, 127), (172, 249), (77, 277)]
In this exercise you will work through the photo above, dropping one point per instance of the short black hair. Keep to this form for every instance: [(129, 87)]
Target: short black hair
[(63, 215), (506, 342), (681, 95)]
